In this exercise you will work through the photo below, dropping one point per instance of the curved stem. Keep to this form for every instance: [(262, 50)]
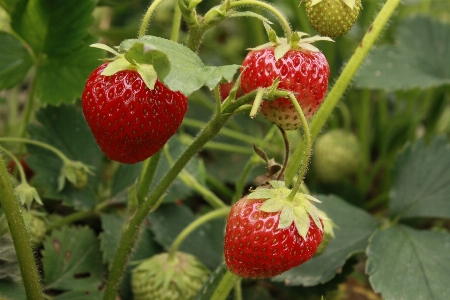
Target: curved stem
[(308, 145), (176, 23), (23, 177), (224, 288), (345, 78), (37, 143), (21, 240), (283, 21), (147, 174), (222, 212), (147, 17)]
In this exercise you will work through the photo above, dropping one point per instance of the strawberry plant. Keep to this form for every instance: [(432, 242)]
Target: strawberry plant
[(224, 149)]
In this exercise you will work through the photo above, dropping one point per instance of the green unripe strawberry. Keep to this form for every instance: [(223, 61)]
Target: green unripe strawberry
[(164, 279), (332, 18), (36, 228), (336, 155)]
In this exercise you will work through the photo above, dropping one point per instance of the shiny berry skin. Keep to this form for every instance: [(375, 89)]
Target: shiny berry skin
[(130, 121), (305, 73), (256, 248)]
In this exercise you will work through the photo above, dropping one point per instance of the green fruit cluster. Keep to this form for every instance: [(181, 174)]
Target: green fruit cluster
[(164, 279)]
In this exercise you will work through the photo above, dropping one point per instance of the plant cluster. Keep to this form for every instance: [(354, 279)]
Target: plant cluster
[(148, 167)]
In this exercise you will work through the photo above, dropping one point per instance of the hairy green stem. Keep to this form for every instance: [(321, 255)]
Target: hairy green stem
[(225, 286), (344, 79), (147, 174), (21, 240), (281, 18), (308, 146), (147, 17), (176, 23), (131, 227), (221, 212)]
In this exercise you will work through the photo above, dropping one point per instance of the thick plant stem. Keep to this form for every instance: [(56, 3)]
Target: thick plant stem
[(344, 79), (147, 17), (283, 21), (131, 228), (221, 212), (13, 214)]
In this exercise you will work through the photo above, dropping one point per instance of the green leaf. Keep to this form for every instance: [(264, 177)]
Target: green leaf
[(354, 227), (418, 58), (10, 290), (61, 78), (421, 181), (72, 260), (187, 71), (65, 128), (206, 242), (15, 61), (54, 27), (405, 263), (84, 295)]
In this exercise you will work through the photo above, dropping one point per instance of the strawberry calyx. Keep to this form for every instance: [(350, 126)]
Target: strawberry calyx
[(300, 209), (297, 41), (138, 57)]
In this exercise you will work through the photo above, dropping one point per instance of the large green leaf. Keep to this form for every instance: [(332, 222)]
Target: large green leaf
[(72, 260), (354, 227), (206, 242), (65, 128), (187, 71), (15, 61), (54, 27), (419, 58), (61, 78), (405, 263), (421, 181)]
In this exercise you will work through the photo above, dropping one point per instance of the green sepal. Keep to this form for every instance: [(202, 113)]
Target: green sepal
[(105, 47), (350, 3), (281, 50), (27, 194), (271, 33), (117, 65), (76, 173), (314, 2)]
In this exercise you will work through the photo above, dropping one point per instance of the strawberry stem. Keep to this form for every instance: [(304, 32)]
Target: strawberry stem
[(308, 145), (147, 17), (281, 18), (221, 212), (224, 288), (147, 174), (23, 177), (286, 156), (344, 79), (21, 240), (176, 23)]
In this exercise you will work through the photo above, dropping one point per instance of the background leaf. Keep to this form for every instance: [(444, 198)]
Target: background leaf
[(11, 290), (405, 263), (206, 243), (418, 58), (72, 260), (354, 227), (65, 128), (421, 181), (88, 295), (61, 78), (15, 61), (54, 27)]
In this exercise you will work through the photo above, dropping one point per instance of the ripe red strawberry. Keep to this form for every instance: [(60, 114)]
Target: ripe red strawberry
[(255, 246), (301, 71), (332, 18), (130, 121)]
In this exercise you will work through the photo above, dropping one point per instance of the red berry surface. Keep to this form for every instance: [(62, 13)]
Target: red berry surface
[(130, 121), (305, 73), (256, 248)]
